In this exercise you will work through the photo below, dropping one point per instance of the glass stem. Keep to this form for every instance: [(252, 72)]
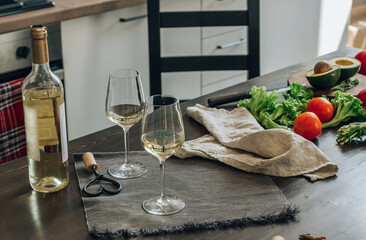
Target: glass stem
[(162, 179), (125, 135)]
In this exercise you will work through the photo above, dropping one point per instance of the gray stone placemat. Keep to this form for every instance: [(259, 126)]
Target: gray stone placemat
[(216, 196)]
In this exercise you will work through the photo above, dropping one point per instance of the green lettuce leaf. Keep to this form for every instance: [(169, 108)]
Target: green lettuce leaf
[(346, 106), (270, 113)]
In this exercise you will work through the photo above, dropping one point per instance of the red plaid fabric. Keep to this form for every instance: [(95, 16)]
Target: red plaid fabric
[(12, 131)]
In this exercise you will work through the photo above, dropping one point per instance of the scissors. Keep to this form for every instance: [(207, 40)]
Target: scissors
[(91, 166)]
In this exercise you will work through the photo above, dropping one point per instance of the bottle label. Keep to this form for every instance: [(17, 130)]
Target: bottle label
[(65, 154), (31, 133)]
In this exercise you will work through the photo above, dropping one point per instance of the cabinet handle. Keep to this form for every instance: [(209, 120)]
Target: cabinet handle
[(232, 44), (133, 18)]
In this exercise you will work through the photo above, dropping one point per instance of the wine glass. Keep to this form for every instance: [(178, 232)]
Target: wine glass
[(124, 106), (162, 135)]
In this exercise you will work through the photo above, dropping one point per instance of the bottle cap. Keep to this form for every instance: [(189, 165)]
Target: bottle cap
[(38, 32)]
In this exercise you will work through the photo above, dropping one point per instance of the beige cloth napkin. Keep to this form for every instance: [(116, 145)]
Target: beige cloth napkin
[(238, 140)]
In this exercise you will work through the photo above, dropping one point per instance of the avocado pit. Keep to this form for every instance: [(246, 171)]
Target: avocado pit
[(322, 67)]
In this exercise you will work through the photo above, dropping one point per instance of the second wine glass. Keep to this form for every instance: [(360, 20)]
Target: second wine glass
[(162, 135), (125, 106)]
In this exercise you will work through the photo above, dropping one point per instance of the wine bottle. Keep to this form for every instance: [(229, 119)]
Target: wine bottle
[(44, 118)]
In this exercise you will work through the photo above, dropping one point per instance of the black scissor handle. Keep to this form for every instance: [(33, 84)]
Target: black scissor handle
[(102, 189)]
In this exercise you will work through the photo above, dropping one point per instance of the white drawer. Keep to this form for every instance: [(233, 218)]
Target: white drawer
[(211, 84), (217, 5), (184, 85), (180, 42), (180, 5), (209, 45)]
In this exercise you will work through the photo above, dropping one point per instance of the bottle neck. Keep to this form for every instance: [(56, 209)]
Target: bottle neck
[(45, 67), (40, 51)]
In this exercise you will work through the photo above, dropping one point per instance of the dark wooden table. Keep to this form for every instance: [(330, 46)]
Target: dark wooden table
[(335, 207)]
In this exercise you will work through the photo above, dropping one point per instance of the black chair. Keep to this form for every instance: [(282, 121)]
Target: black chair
[(158, 64)]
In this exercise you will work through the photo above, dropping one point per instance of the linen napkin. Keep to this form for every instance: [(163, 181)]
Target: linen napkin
[(237, 139)]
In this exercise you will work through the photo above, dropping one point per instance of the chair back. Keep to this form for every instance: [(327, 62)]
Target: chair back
[(159, 64)]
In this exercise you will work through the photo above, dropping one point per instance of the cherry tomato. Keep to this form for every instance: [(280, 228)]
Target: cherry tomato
[(362, 96), (321, 107), (308, 125), (361, 56)]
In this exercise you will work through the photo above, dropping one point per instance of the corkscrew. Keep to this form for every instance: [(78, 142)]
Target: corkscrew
[(91, 166)]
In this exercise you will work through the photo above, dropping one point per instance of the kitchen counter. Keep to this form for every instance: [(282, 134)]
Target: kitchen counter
[(63, 10)]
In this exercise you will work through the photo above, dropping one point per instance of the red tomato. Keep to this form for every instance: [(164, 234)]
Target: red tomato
[(308, 125), (321, 107), (362, 96), (361, 56)]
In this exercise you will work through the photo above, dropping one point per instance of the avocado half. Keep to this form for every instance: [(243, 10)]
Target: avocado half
[(349, 66), (326, 80)]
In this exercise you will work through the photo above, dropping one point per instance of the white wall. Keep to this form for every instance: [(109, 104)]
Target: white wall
[(293, 31)]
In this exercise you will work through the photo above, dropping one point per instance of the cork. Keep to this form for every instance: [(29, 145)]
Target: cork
[(89, 161)]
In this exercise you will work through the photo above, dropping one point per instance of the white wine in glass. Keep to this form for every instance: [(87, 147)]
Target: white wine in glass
[(125, 115), (124, 106), (162, 135)]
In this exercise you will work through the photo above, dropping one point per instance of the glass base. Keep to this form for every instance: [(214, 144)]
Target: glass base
[(129, 170), (163, 206)]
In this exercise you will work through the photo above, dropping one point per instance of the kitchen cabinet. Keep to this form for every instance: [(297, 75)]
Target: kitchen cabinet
[(93, 46)]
